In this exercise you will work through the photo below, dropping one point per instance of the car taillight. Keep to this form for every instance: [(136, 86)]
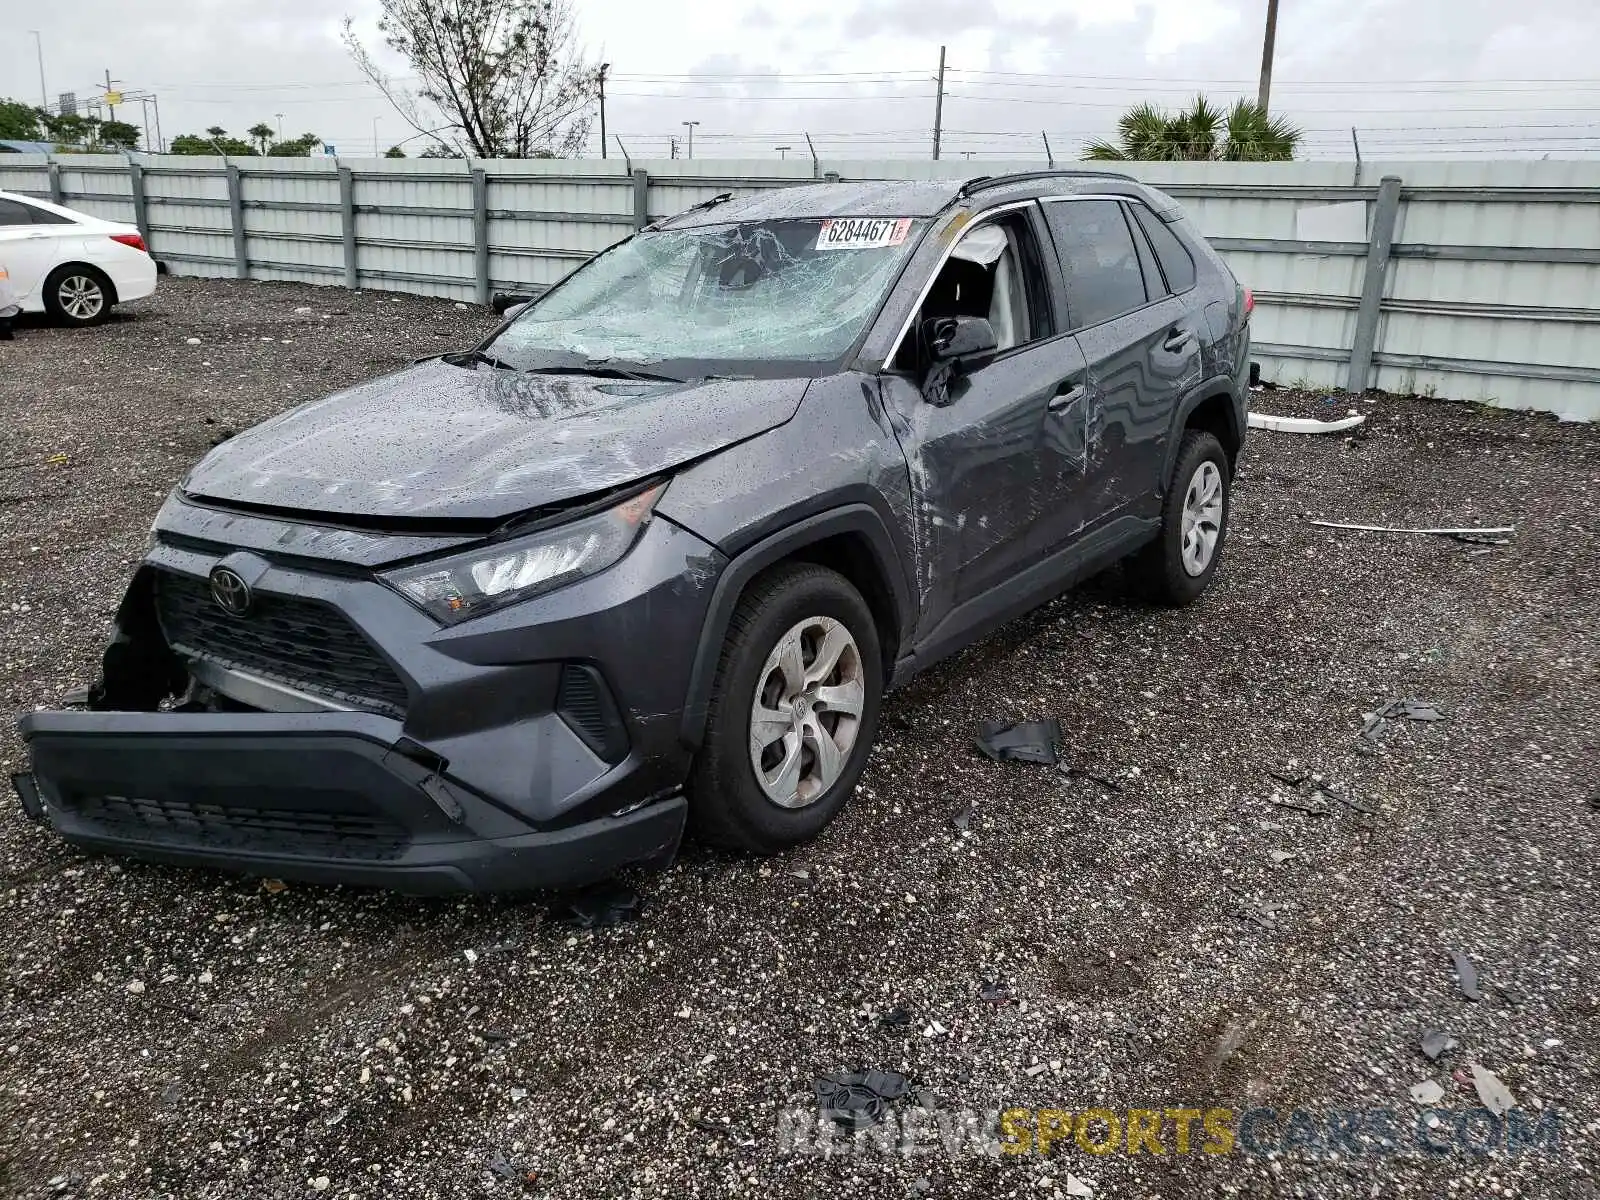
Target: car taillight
[(130, 239), (1249, 302)]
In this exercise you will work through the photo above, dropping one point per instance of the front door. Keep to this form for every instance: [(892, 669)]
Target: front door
[(991, 462)]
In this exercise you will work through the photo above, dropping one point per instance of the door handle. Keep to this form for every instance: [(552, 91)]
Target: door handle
[(1064, 400), (1178, 340)]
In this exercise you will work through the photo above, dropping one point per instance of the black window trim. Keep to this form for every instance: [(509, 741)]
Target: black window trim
[(1127, 219), (1194, 266), (27, 211)]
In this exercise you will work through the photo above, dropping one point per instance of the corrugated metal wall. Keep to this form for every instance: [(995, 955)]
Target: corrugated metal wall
[(1489, 292)]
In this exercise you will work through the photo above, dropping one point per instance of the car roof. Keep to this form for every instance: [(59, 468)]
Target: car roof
[(911, 198), (70, 213)]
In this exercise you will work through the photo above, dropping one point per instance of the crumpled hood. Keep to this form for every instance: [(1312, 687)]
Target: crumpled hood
[(446, 442)]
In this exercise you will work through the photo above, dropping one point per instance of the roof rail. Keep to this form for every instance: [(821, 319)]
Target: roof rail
[(982, 182)]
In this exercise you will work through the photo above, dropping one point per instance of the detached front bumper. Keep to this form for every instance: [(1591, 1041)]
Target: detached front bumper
[(319, 797)]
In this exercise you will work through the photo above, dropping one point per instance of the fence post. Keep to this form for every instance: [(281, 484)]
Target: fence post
[(480, 232), (641, 198), (136, 185), (1379, 245), (241, 264), (55, 183), (347, 225)]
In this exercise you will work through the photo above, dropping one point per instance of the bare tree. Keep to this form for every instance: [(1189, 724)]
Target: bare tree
[(508, 76)]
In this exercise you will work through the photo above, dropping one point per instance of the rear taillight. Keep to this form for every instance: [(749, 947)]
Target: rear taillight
[(1249, 302), (130, 239)]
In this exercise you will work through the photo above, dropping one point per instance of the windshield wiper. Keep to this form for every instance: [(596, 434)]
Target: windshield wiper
[(607, 370), (468, 357)]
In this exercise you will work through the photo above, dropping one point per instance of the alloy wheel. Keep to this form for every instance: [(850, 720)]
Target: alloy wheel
[(81, 297)]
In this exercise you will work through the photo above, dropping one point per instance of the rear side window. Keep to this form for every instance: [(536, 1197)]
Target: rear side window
[(45, 217), (1176, 262), (1098, 259), (12, 213)]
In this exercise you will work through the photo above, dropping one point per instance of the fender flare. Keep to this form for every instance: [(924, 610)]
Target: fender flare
[(859, 519), (1217, 385)]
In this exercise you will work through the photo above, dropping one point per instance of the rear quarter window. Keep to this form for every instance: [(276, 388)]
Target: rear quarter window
[(1176, 262)]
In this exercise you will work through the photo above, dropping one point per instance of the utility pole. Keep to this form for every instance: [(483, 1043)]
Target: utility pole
[(938, 105), (690, 126), (672, 147), (604, 67), (280, 125), (109, 93), (144, 107), (376, 153), (1266, 56), (38, 44), (161, 142)]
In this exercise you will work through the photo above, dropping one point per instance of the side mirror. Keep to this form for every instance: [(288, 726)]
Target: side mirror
[(963, 342)]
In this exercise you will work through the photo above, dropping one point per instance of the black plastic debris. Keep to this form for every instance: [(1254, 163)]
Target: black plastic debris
[(1023, 741), (503, 1167), (1398, 710), (1435, 1042), (495, 1035), (601, 906), (1072, 772), (1352, 803), (78, 697), (896, 1018), (1291, 778), (963, 819), (1306, 806), (1466, 975), (991, 992), (858, 1099)]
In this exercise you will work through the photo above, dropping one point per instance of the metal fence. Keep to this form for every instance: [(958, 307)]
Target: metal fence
[(1470, 281)]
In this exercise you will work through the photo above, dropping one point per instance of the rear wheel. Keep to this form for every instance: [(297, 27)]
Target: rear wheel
[(1178, 566), (792, 715), (78, 294)]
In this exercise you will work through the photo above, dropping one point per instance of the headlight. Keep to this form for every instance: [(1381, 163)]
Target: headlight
[(492, 577)]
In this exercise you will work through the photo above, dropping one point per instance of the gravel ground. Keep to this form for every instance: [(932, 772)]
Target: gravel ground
[(171, 1033)]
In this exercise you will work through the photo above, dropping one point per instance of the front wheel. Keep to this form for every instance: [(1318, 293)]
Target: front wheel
[(78, 295), (792, 715), (1176, 567)]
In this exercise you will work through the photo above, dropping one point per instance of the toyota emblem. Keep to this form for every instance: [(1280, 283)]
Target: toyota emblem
[(230, 591)]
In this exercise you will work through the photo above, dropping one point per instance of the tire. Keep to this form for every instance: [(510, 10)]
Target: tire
[(1161, 571), (78, 294), (803, 605)]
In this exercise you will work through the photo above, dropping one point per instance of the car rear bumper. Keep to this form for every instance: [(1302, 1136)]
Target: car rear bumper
[(339, 798)]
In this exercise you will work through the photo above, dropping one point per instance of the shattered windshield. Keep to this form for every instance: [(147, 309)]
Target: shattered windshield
[(789, 291)]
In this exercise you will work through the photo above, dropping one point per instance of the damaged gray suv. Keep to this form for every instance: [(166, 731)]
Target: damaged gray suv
[(651, 555)]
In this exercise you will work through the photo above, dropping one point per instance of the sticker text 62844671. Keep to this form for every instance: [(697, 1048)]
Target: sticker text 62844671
[(862, 233)]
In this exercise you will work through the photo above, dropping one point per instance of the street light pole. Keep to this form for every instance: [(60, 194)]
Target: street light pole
[(375, 152), (691, 125), (604, 67), (783, 151), (280, 126), (44, 93), (1267, 43)]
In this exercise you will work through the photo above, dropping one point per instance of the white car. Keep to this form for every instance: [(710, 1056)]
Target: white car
[(69, 264)]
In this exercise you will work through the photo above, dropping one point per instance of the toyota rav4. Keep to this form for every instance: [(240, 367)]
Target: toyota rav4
[(652, 554)]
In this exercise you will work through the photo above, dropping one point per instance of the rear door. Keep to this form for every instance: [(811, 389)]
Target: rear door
[(1141, 344), (28, 249), (992, 477)]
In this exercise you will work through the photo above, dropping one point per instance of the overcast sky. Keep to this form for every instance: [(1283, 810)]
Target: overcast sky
[(1418, 77)]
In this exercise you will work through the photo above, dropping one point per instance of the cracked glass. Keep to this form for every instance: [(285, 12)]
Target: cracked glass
[(798, 291)]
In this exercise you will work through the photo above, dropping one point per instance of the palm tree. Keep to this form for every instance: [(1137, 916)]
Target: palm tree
[(1200, 133), (262, 133)]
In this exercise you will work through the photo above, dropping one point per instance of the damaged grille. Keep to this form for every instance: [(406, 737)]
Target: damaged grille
[(317, 834), (301, 643)]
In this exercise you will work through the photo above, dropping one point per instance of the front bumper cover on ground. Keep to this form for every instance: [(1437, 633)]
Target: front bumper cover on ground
[(319, 797)]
